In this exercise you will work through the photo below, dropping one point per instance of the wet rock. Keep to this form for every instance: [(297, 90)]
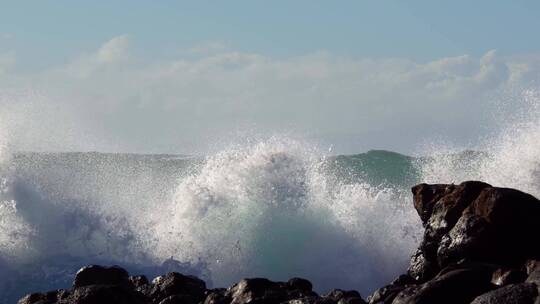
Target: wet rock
[(257, 290), (172, 284), (217, 296), (440, 207), (94, 274), (179, 299), (421, 268), (103, 294), (453, 285), (524, 293), (502, 277), (138, 281), (500, 226), (386, 294), (533, 272), (300, 284), (344, 296)]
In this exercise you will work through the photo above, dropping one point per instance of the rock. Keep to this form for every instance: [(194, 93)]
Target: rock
[(103, 294), (500, 226), (217, 296), (502, 277), (94, 274), (50, 297), (533, 272), (425, 196), (257, 290), (386, 294), (453, 285), (439, 207), (299, 284), (349, 300), (172, 284), (179, 299), (421, 268), (524, 293), (138, 281), (344, 296)]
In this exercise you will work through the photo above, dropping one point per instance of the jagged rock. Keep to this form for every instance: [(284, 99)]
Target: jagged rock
[(217, 296), (256, 290), (453, 285), (439, 207), (94, 274), (344, 296), (138, 281), (103, 294), (50, 297), (179, 299), (172, 284), (524, 293), (500, 226), (502, 277), (386, 294), (299, 284), (421, 268), (533, 272)]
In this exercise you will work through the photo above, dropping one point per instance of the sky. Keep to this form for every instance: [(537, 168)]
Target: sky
[(181, 77)]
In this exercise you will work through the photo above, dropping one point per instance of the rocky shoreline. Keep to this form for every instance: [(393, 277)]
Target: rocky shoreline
[(481, 245)]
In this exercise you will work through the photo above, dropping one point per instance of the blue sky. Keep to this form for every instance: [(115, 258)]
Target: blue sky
[(421, 30), (178, 76)]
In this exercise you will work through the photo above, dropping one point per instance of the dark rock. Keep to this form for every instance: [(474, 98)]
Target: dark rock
[(386, 294), (425, 196), (421, 268), (350, 300), (138, 281), (103, 294), (50, 297), (179, 299), (533, 272), (172, 284), (453, 285), (524, 293), (439, 207), (257, 290), (502, 277), (299, 284), (310, 300), (94, 274), (217, 296), (500, 226), (344, 296)]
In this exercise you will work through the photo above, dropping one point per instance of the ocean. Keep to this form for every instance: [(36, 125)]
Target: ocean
[(275, 208)]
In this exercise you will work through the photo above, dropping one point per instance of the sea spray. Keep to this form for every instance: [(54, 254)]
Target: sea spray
[(275, 208)]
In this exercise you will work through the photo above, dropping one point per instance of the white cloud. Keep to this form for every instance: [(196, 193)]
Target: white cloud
[(354, 103), (114, 50)]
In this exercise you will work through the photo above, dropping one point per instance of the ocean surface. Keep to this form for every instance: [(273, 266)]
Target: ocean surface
[(276, 208)]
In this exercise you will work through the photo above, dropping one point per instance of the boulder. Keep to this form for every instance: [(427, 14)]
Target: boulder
[(94, 274), (502, 276), (500, 226), (172, 284), (103, 294), (257, 290), (453, 285), (524, 293)]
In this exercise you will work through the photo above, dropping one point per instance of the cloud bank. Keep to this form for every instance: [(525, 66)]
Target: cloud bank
[(112, 100)]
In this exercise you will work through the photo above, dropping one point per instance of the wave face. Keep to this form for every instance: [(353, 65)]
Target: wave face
[(276, 208)]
